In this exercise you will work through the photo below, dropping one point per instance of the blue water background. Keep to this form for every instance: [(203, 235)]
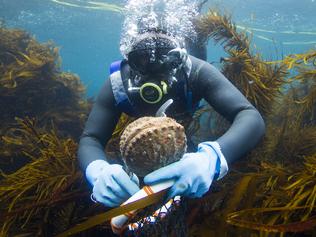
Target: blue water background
[(89, 39)]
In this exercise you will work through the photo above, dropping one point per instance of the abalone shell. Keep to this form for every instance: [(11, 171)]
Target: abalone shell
[(150, 143)]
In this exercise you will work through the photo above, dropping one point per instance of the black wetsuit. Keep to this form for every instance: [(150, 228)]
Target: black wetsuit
[(208, 83)]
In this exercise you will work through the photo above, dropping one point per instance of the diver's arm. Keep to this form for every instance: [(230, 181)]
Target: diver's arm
[(247, 126), (98, 128), (111, 185), (194, 173)]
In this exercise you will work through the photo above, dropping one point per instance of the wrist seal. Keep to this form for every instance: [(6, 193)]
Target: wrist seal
[(221, 163)]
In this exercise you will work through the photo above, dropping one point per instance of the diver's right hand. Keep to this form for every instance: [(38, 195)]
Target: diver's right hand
[(111, 184)]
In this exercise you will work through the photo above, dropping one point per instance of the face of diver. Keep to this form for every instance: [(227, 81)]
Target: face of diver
[(154, 62)]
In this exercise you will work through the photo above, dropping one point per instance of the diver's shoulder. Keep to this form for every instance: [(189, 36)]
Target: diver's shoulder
[(200, 64), (197, 62)]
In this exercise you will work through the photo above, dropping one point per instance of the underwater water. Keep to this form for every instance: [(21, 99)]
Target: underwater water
[(88, 33), (43, 109)]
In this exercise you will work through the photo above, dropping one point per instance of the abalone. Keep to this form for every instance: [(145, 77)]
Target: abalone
[(150, 143)]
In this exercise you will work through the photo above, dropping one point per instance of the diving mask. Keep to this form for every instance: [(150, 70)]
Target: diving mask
[(157, 61), (155, 71)]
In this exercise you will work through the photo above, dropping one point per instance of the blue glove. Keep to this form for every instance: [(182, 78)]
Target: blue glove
[(194, 173), (111, 184)]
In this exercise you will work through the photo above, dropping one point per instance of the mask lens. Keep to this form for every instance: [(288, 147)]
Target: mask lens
[(148, 61), (139, 60)]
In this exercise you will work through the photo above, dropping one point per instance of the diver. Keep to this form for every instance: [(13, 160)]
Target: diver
[(156, 69)]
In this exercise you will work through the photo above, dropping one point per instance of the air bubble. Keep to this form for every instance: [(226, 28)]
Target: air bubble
[(172, 16)]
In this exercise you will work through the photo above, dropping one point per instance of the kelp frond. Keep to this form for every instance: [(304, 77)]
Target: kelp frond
[(221, 29), (298, 226), (308, 105), (296, 60), (299, 203), (291, 130), (52, 178), (276, 191), (30, 74), (22, 57), (31, 84), (260, 83)]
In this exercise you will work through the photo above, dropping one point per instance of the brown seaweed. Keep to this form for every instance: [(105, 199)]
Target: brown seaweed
[(269, 193), (278, 173), (260, 82), (32, 85), (51, 178)]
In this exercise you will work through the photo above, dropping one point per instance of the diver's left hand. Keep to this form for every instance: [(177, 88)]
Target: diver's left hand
[(193, 174)]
